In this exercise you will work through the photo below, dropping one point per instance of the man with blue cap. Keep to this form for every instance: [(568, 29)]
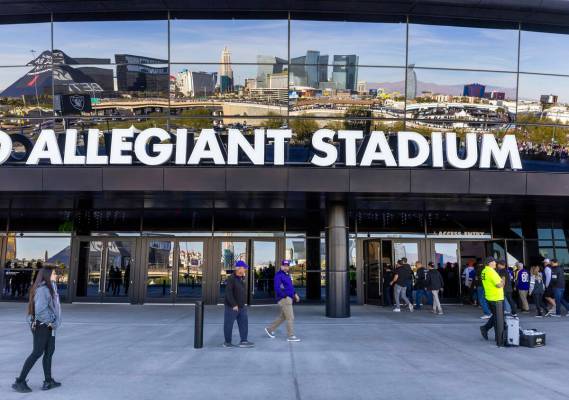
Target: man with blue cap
[(284, 293), (235, 309)]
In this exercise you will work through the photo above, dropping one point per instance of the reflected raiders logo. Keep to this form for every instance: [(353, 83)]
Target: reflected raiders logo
[(78, 102)]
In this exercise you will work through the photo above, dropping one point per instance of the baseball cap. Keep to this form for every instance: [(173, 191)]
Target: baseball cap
[(501, 261), (285, 263), (554, 260), (490, 259), (241, 264)]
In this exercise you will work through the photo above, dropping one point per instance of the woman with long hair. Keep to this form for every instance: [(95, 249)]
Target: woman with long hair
[(44, 311)]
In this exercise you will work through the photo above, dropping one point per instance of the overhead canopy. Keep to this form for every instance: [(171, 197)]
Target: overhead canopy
[(546, 12)]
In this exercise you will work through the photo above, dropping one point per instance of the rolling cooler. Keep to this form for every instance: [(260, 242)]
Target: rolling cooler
[(532, 338), (512, 331)]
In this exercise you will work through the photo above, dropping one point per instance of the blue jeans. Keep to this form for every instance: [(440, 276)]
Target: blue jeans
[(420, 294), (560, 300), (229, 318), (507, 307), (482, 300)]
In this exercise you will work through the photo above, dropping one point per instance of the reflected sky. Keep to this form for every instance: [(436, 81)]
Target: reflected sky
[(195, 41), (35, 248)]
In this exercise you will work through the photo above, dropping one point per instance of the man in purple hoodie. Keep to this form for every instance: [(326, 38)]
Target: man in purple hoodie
[(284, 293)]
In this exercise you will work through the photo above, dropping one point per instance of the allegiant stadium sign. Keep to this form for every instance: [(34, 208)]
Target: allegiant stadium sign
[(155, 146)]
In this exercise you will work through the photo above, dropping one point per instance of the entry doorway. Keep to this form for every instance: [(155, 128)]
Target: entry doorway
[(262, 256), (380, 257), (445, 255), (175, 269), (103, 269)]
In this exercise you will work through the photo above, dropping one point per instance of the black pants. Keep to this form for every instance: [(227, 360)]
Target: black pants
[(539, 304), (229, 318), (493, 321), (44, 343), (513, 305)]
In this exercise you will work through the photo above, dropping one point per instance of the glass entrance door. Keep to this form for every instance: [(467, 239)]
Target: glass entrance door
[(104, 270), (231, 251), (446, 257), (263, 268), (174, 270), (372, 271)]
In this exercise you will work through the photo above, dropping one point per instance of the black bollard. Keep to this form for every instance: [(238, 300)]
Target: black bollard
[(198, 325), (500, 323)]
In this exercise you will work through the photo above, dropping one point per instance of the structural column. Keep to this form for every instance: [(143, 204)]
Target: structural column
[(337, 283)]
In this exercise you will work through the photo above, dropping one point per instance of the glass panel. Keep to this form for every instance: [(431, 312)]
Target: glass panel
[(159, 269), (230, 40), (26, 91), (211, 90), (408, 250), (22, 254), (544, 52), (372, 269), (264, 264), (20, 42), (515, 252), (352, 92), (231, 252), (446, 259), (295, 251), (321, 42), (104, 42), (126, 90), (89, 270), (190, 270), (464, 98), (463, 47), (118, 273), (543, 99)]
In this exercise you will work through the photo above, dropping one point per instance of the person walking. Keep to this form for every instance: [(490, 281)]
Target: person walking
[(387, 295), (235, 309), (536, 291), (468, 281), (44, 310), (420, 286), (549, 295), (558, 285), (494, 292), (401, 279), (523, 284), (285, 295), (507, 276), (434, 283)]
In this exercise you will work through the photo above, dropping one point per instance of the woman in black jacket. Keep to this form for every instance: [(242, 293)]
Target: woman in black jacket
[(435, 284)]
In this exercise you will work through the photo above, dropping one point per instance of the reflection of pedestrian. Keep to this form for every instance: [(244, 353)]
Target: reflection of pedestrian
[(127, 278), (387, 289)]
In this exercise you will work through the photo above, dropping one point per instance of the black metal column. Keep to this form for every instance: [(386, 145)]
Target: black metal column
[(337, 283)]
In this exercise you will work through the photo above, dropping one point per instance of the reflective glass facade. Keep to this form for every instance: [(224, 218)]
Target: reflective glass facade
[(289, 71)]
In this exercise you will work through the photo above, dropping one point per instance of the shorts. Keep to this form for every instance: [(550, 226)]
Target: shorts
[(549, 293)]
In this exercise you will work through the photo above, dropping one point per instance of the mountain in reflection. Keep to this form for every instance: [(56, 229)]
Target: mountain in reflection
[(449, 90)]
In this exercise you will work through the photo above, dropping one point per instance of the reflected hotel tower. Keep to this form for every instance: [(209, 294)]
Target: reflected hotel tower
[(225, 72)]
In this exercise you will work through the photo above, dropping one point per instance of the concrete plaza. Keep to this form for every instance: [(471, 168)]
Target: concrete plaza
[(146, 352)]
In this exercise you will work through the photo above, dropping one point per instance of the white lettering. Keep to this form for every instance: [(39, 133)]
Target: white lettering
[(491, 150), (236, 140), (279, 136), (70, 156), (437, 149), (93, 156), (181, 146), (164, 150), (403, 140), (378, 139), (119, 144), (350, 138), (45, 147), (330, 151), (206, 147), (471, 151), (5, 146)]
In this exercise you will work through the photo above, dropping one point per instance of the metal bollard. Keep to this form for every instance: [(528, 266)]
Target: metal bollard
[(500, 323), (198, 325)]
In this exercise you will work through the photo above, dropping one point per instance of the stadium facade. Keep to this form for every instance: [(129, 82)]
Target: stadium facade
[(290, 141)]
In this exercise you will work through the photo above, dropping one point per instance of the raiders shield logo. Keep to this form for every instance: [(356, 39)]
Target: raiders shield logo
[(78, 102)]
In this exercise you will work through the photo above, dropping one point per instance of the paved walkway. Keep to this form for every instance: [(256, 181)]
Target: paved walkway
[(145, 352)]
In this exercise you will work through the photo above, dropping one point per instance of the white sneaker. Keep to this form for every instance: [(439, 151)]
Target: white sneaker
[(292, 339), (269, 333), (556, 315), (485, 317), (396, 310), (411, 307)]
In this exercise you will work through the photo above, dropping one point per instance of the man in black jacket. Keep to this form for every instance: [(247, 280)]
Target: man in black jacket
[(235, 309)]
